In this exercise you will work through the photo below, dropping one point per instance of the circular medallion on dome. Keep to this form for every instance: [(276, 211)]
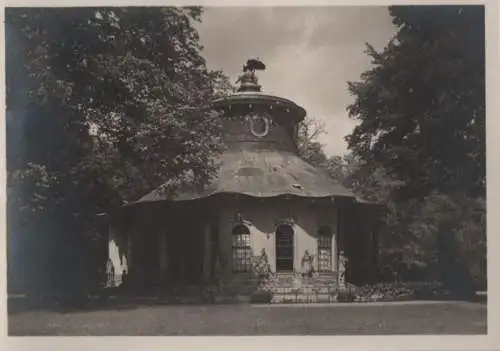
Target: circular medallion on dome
[(259, 125)]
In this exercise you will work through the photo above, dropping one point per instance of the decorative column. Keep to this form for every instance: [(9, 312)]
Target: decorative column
[(130, 268), (162, 236), (334, 252), (207, 253)]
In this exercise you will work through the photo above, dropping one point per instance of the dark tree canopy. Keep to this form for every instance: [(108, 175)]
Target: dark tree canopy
[(419, 146), (104, 105), (135, 78), (421, 107)]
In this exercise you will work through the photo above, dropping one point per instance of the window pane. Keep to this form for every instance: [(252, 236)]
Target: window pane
[(241, 250), (324, 241), (245, 240), (324, 249)]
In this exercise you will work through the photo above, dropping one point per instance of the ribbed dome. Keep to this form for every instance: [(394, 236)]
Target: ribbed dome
[(263, 173)]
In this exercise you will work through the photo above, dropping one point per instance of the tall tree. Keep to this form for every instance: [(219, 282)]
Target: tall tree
[(421, 139), (421, 107), (110, 103)]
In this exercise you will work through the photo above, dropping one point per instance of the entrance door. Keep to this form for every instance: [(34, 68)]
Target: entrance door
[(284, 248)]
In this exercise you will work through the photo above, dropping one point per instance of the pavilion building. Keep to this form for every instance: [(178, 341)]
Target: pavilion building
[(265, 199)]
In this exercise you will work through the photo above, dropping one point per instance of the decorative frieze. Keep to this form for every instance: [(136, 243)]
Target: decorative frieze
[(259, 124)]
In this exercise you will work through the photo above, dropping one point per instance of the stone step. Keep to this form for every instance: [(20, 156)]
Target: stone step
[(305, 284), (303, 299), (283, 286), (306, 278), (281, 295), (309, 289)]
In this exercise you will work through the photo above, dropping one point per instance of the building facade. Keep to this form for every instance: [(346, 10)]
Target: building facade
[(265, 201)]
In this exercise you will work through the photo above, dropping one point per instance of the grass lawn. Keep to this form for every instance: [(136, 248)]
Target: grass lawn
[(421, 318)]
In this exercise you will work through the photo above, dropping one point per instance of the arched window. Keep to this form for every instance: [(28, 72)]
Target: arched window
[(242, 251), (284, 248), (325, 249)]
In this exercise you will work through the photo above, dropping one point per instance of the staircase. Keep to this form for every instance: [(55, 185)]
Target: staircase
[(293, 288)]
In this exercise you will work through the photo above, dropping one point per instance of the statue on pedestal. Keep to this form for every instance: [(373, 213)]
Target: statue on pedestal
[(248, 80), (110, 273), (342, 269), (307, 264)]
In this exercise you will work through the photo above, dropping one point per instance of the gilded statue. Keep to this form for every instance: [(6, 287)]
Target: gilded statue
[(248, 80)]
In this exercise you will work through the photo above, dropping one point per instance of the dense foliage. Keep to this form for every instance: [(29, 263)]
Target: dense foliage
[(419, 145), (421, 107), (104, 105), (396, 291), (420, 142)]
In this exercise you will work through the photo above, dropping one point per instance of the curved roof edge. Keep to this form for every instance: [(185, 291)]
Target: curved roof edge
[(256, 97), (243, 194), (261, 174)]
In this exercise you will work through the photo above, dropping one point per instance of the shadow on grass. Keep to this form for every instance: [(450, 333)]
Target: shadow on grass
[(89, 305), (111, 300), (121, 302)]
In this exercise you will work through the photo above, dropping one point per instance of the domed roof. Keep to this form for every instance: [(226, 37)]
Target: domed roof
[(262, 174), (259, 171)]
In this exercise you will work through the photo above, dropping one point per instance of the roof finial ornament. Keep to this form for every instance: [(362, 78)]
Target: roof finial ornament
[(248, 79)]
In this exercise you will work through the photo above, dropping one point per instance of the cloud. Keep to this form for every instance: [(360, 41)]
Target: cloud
[(310, 54)]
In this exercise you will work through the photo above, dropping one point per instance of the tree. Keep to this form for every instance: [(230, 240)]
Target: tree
[(309, 148), (111, 103), (341, 168), (421, 107), (421, 140)]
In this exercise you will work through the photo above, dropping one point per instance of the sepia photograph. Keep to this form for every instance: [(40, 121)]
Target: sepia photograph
[(246, 171)]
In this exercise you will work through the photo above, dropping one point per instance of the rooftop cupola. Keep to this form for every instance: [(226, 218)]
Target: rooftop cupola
[(261, 158), (248, 80)]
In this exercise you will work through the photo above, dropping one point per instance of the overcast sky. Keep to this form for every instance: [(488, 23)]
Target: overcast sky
[(310, 54)]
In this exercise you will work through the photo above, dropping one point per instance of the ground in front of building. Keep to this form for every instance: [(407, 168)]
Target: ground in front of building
[(232, 320)]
